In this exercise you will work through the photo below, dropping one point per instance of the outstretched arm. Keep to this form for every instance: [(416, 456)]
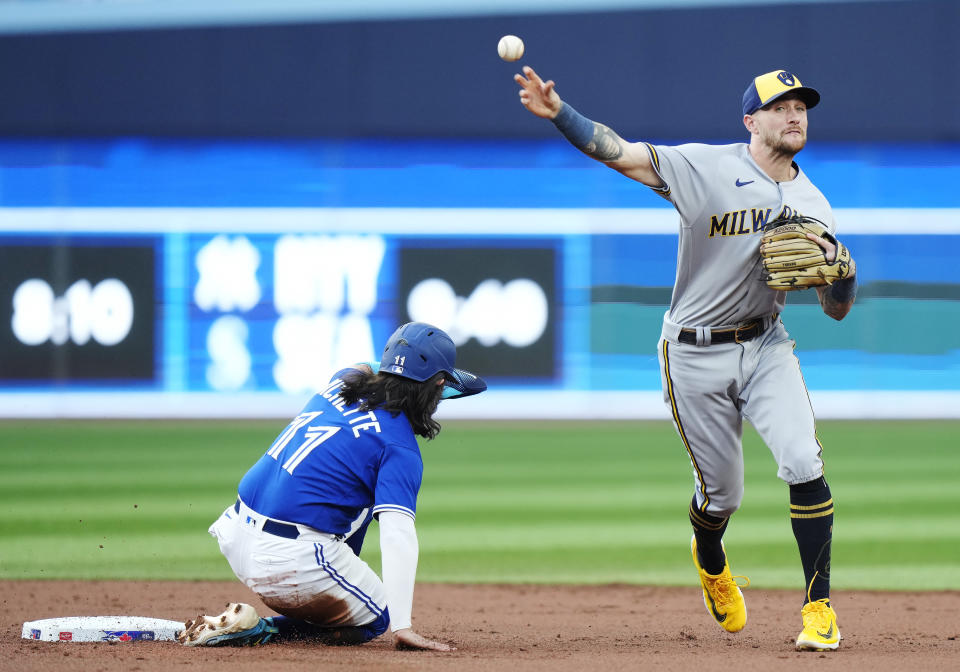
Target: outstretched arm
[(593, 139), (399, 550)]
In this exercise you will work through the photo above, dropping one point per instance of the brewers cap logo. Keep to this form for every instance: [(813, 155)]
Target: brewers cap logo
[(787, 78), (771, 85)]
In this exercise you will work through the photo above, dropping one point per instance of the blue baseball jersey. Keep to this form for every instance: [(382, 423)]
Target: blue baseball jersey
[(335, 466)]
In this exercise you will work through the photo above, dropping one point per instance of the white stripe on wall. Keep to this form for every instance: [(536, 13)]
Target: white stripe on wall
[(448, 222)]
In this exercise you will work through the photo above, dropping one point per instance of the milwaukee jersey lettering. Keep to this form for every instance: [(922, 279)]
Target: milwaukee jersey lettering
[(724, 199)]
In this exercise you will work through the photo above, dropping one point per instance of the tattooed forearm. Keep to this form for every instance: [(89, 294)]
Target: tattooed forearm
[(593, 139), (832, 306), (605, 145)]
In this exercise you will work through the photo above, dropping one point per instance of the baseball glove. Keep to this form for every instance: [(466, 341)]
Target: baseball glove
[(793, 261)]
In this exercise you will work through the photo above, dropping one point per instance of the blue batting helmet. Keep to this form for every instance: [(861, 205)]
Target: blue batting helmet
[(418, 351)]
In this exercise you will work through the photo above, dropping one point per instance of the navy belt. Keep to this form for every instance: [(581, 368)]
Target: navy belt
[(742, 334), (275, 527)]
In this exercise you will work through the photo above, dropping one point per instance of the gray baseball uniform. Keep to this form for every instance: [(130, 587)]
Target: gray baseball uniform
[(724, 198), (724, 353)]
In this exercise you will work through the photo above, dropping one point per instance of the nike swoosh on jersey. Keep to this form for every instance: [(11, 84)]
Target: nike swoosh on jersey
[(743, 184)]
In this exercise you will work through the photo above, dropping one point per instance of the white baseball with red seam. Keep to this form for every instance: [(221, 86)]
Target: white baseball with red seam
[(510, 48)]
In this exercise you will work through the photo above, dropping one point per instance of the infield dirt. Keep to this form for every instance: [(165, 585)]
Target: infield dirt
[(499, 627)]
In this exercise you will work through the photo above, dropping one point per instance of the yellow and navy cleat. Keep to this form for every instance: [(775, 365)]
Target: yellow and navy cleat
[(239, 625), (721, 594), (820, 631)]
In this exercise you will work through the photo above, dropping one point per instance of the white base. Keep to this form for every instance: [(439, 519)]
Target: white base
[(101, 629)]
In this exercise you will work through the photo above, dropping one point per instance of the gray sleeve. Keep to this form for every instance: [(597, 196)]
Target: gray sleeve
[(684, 183), (831, 224), (809, 200), (828, 218)]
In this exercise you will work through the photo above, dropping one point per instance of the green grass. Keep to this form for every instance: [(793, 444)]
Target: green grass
[(544, 502)]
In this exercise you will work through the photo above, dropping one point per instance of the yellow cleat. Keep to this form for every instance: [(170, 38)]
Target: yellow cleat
[(820, 631), (721, 594)]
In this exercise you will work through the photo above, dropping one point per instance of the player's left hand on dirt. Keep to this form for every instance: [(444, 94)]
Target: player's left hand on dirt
[(791, 260), (409, 640)]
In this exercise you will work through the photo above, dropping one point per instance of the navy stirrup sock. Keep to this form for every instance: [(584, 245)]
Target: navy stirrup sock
[(709, 533), (811, 516)]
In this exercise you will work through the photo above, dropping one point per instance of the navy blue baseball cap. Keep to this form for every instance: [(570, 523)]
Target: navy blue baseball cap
[(418, 351), (766, 88)]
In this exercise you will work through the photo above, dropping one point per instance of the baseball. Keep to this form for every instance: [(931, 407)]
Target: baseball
[(510, 48)]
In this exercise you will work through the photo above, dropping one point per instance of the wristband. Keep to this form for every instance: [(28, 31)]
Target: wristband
[(575, 127), (843, 291)]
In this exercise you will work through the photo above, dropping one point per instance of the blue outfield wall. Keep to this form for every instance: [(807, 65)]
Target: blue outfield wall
[(885, 69), (423, 173), (227, 278)]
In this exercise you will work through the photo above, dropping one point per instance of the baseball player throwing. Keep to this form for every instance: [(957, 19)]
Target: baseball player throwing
[(724, 352), (294, 533)]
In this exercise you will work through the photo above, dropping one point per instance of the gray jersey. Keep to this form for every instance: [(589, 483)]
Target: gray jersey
[(724, 199)]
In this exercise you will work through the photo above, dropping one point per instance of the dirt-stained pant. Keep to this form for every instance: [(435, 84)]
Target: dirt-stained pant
[(316, 577)]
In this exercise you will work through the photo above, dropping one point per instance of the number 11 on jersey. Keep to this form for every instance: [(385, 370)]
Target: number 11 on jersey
[(313, 437)]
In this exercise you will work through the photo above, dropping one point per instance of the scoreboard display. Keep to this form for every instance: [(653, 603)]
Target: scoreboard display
[(78, 310), (266, 312), (227, 277)]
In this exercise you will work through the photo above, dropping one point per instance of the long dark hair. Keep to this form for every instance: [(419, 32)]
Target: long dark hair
[(418, 401)]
